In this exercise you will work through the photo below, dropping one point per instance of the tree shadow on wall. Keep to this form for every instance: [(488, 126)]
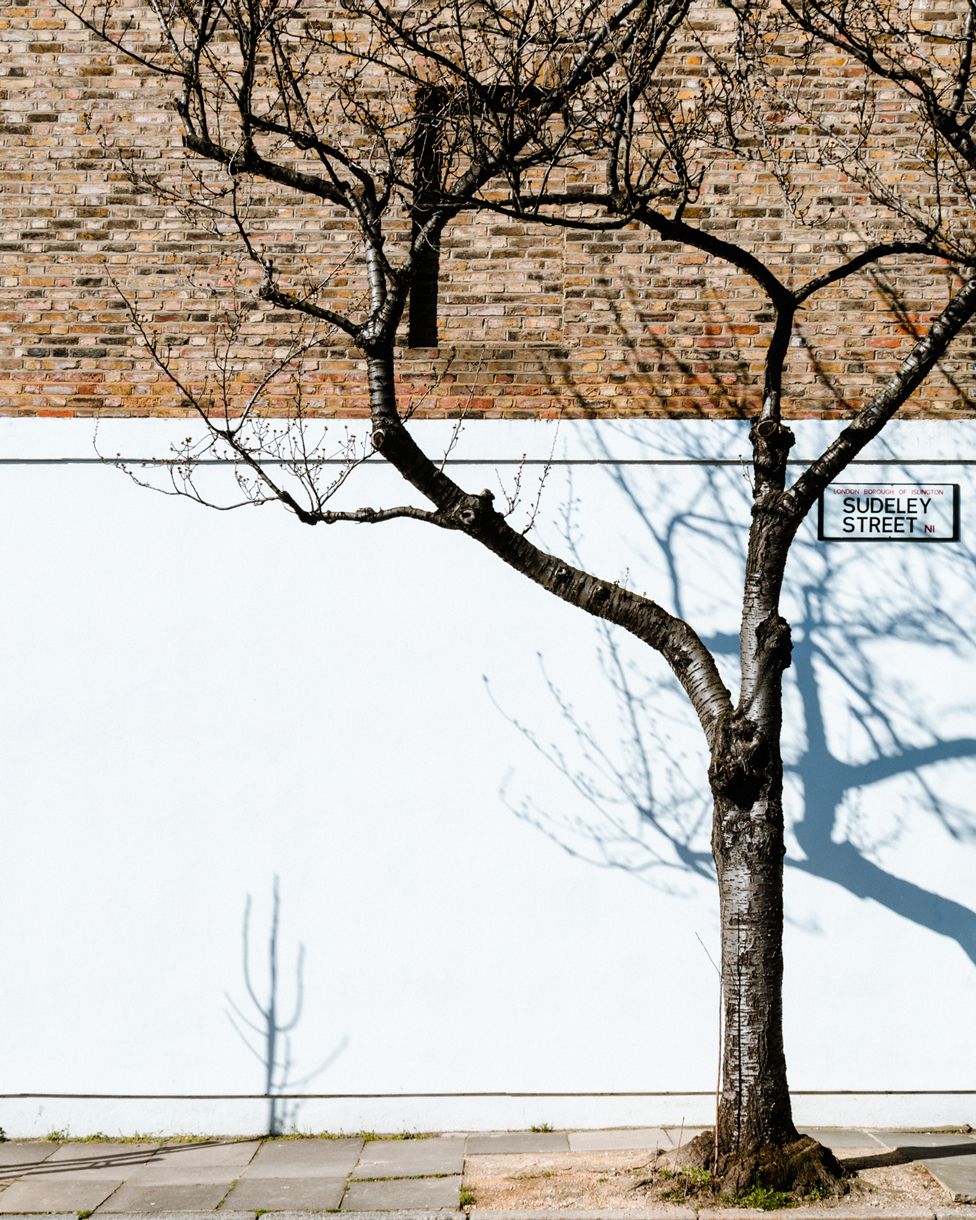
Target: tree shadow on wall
[(722, 368), (268, 1036), (868, 638)]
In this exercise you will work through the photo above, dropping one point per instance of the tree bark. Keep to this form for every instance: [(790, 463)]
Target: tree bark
[(748, 846), (755, 1142), (754, 1102)]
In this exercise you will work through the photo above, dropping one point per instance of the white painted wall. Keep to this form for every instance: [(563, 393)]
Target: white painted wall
[(195, 702)]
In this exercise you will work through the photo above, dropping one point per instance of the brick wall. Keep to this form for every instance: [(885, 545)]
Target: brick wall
[(534, 321)]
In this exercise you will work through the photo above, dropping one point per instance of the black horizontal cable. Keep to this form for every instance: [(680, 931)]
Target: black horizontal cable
[(410, 1096), (272, 461)]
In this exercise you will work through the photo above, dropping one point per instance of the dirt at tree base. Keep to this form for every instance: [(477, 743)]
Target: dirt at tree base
[(637, 1180)]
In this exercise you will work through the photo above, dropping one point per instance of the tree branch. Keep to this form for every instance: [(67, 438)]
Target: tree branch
[(872, 254), (374, 516), (869, 421), (689, 659), (249, 161), (287, 300)]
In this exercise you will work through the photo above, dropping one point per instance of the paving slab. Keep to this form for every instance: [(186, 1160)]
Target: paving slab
[(183, 1175), (304, 1158), (414, 1214), (47, 1216), (287, 1194), (956, 1175), (395, 1194), (25, 1153), (500, 1142), (97, 1150), (159, 1215), (410, 1158), (639, 1138), (215, 1152), (98, 1160), (950, 1157), (165, 1197), (924, 1139), (56, 1193), (843, 1137)]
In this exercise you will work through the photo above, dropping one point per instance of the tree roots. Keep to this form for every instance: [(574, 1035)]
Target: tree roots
[(800, 1168)]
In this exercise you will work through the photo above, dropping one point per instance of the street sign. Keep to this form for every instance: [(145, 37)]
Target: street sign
[(889, 512)]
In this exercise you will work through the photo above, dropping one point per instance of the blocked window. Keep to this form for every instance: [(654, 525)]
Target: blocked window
[(422, 305)]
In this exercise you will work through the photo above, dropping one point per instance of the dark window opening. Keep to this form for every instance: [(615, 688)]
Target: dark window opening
[(431, 108), (422, 305)]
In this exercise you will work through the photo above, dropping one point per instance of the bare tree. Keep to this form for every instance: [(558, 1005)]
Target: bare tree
[(391, 119)]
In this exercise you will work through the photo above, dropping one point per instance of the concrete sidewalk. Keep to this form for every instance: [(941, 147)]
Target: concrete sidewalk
[(240, 1179)]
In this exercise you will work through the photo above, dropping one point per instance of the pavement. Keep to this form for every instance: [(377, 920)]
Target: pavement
[(419, 1178)]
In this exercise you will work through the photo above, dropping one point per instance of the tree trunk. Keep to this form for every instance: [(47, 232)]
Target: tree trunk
[(754, 1103), (755, 1141)]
